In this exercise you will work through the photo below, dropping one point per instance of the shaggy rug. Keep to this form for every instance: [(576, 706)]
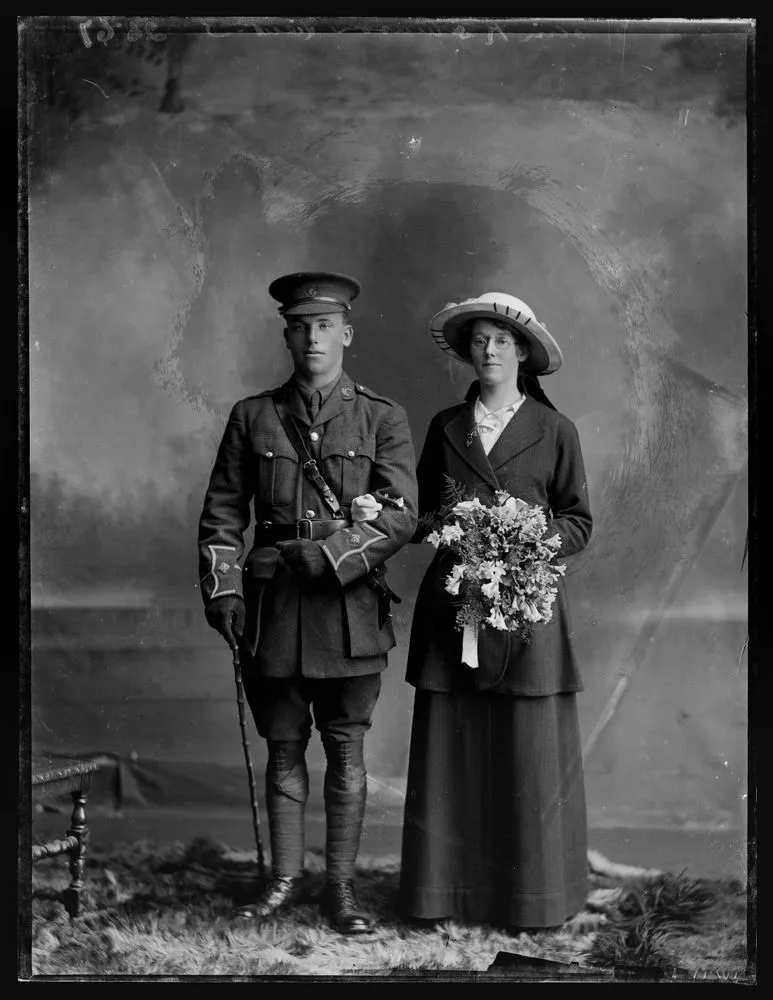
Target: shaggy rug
[(165, 910)]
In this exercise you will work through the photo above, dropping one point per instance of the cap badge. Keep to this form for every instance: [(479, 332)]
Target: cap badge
[(311, 292), (347, 392)]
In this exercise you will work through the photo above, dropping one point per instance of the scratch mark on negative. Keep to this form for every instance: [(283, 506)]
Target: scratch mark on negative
[(603, 179), (97, 86)]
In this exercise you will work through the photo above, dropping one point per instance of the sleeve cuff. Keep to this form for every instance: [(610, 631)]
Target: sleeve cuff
[(224, 576), (347, 550)]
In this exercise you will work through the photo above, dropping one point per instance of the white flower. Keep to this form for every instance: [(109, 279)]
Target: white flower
[(434, 539), (531, 532), (451, 533), (513, 506), (530, 613), (455, 577), (490, 590), (468, 506), (491, 569), (496, 619)]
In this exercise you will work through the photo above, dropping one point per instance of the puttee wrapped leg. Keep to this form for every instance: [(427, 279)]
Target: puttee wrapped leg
[(287, 790), (345, 797)]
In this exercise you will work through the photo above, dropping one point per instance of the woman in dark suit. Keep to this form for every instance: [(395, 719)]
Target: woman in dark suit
[(495, 821)]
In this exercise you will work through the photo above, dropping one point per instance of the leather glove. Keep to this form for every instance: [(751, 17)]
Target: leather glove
[(304, 557), (365, 508), (226, 615)]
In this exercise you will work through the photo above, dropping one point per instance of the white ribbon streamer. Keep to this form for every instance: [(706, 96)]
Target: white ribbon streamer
[(470, 646)]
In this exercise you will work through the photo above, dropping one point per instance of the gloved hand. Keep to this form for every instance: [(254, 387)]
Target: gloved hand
[(226, 615), (365, 508), (304, 557)]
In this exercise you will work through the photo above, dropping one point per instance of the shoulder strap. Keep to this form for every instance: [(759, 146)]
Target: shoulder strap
[(308, 462), (365, 391)]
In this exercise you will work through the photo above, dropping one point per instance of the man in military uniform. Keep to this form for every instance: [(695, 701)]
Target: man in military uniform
[(329, 467)]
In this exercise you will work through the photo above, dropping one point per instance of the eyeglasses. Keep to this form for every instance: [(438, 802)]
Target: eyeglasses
[(501, 343)]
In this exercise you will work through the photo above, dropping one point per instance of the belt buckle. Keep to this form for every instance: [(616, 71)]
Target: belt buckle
[(303, 527)]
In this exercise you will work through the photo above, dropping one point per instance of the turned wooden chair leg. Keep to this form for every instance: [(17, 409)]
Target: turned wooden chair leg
[(78, 830)]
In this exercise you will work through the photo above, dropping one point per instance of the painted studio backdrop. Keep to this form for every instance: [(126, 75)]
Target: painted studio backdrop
[(598, 176)]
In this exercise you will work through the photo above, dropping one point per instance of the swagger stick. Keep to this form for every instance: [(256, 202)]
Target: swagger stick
[(248, 761)]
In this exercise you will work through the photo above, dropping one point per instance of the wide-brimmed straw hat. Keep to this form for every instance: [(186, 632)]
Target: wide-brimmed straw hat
[(449, 329)]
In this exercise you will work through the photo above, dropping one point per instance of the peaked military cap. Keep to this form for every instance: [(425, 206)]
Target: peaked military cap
[(314, 292)]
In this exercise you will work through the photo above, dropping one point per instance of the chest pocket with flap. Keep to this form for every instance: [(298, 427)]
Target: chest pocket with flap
[(276, 470), (346, 465)]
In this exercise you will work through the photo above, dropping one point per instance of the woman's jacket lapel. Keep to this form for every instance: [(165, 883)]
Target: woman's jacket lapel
[(524, 429), (458, 431)]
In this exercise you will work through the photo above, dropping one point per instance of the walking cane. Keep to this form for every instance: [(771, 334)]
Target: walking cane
[(248, 760)]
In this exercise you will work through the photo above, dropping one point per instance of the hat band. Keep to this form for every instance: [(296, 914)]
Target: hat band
[(317, 298)]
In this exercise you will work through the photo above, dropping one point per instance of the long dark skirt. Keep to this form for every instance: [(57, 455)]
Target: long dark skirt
[(495, 823)]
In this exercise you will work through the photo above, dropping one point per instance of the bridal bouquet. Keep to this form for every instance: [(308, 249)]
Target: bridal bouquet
[(504, 577)]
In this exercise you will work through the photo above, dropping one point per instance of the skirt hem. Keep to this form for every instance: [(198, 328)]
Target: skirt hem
[(528, 909)]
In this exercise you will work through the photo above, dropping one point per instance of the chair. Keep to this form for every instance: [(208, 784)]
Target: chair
[(51, 777)]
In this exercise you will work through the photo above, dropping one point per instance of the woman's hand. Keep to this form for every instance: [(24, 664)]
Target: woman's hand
[(365, 508)]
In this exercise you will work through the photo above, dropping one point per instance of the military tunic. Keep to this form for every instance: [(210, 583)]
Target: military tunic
[(320, 628)]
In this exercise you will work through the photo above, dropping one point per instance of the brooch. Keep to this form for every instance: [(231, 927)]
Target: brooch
[(471, 436)]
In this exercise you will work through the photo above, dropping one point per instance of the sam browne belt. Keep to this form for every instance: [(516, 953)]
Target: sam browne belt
[(375, 578), (269, 533)]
